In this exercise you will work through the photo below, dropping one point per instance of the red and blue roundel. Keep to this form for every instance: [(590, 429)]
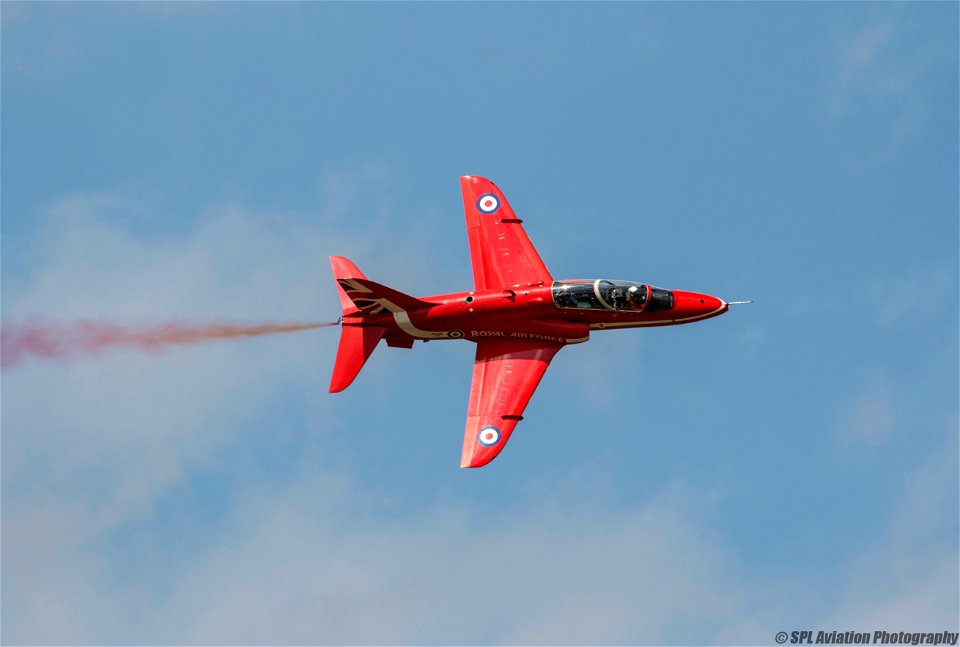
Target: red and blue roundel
[(488, 203), (488, 436)]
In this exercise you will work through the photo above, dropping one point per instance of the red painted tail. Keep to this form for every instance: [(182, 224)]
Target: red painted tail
[(343, 268), (356, 342)]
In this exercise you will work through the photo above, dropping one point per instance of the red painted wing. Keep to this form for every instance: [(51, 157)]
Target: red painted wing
[(500, 251), (505, 375)]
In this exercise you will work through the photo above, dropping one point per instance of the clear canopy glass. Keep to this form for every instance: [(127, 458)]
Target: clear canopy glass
[(606, 294)]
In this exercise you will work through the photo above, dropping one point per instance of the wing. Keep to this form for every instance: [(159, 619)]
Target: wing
[(505, 375), (500, 251)]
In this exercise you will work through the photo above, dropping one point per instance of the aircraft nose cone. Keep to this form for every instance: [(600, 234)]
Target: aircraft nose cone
[(694, 304)]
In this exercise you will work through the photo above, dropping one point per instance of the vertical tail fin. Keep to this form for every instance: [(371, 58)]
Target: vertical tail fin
[(343, 268), (356, 342), (357, 292)]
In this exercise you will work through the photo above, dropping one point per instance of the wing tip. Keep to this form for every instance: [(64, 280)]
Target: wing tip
[(474, 454), (466, 455), (473, 462)]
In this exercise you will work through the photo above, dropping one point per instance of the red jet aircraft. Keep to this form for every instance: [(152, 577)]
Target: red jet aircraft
[(517, 314)]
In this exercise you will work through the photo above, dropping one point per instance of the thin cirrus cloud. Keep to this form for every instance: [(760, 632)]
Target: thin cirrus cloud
[(870, 419), (300, 568), (92, 444), (877, 78), (119, 424)]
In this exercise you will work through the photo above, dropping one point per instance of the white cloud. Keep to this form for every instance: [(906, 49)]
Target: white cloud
[(908, 578), (130, 420), (878, 82), (305, 571), (91, 445), (310, 563), (914, 294)]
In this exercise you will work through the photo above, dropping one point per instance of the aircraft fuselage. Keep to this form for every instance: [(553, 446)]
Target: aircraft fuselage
[(537, 312)]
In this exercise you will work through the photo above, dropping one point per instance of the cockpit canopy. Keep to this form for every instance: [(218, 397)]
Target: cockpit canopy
[(604, 294)]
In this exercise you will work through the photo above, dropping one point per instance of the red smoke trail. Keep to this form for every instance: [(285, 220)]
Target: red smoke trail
[(57, 341)]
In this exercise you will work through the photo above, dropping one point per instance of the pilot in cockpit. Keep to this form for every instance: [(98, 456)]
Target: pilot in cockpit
[(618, 298), (636, 296)]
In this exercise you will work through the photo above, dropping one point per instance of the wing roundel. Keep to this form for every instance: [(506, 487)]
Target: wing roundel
[(500, 251)]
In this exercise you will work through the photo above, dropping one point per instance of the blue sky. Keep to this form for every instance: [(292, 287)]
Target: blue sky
[(791, 465)]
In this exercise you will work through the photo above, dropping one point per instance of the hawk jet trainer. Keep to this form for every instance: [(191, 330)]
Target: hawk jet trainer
[(516, 314)]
